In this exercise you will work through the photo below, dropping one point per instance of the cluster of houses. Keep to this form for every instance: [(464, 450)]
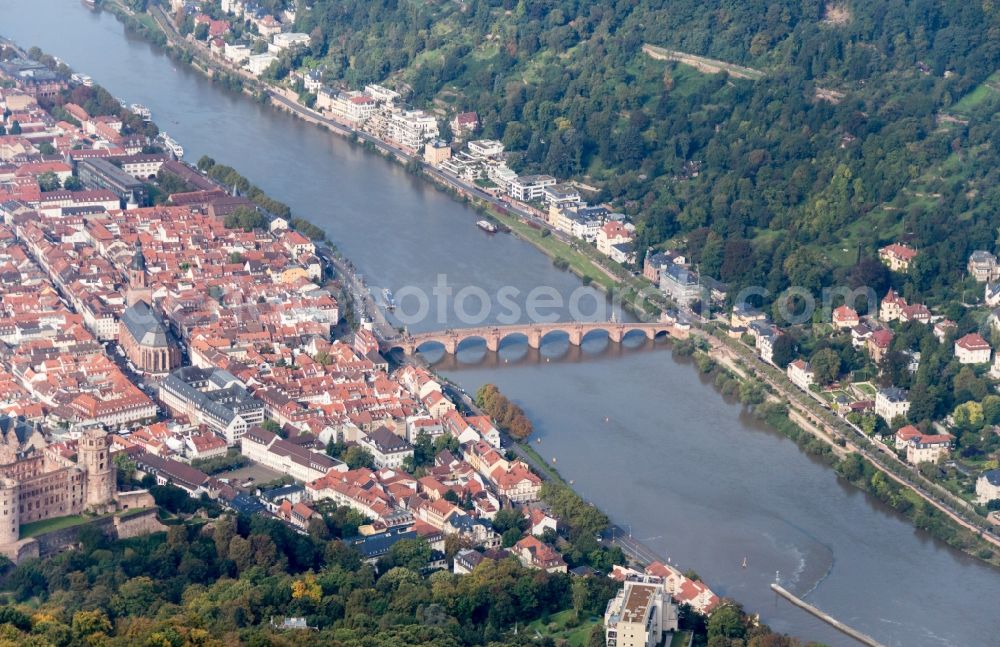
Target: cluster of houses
[(270, 29), (874, 335), (195, 341), (560, 205)]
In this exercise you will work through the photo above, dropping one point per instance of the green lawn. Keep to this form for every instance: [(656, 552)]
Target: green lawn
[(578, 262), (681, 639), (557, 630), (549, 469), (48, 525), (866, 388), (984, 92)]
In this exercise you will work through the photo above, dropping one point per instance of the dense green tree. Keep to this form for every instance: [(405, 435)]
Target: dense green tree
[(825, 364)]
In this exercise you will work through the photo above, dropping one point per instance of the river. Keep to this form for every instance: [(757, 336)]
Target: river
[(639, 433)]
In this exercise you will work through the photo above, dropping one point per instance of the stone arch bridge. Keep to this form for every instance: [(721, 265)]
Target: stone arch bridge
[(494, 335)]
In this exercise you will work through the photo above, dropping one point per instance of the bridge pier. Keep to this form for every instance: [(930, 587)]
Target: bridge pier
[(616, 334), (534, 338), (451, 345), (575, 336), (493, 343)]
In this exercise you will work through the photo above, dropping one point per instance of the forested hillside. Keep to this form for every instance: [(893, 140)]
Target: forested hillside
[(840, 144), (234, 581)]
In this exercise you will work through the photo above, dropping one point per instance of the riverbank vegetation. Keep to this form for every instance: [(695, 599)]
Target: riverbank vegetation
[(508, 415), (852, 466), (863, 474)]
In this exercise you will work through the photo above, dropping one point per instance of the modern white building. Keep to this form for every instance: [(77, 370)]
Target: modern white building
[(485, 148), (283, 41), (527, 188), (412, 128), (237, 53), (381, 93), (257, 64), (640, 614)]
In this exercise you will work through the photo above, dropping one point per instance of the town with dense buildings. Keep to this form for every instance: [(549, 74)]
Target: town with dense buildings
[(158, 337), (145, 327)]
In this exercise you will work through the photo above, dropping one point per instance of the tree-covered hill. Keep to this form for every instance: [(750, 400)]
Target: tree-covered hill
[(840, 144), (233, 581)]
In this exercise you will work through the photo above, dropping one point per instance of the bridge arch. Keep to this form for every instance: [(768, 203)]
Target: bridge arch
[(464, 341), (505, 337), (597, 332)]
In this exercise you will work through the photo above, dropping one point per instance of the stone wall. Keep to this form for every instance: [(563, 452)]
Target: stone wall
[(136, 524)]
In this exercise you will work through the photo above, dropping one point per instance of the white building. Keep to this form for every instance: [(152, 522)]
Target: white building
[(354, 107), (257, 64), (237, 53), (214, 398), (972, 349), (561, 194), (281, 42), (485, 148), (412, 128), (387, 449), (801, 374), (302, 464), (381, 93), (501, 175), (640, 614), (527, 188), (988, 486), (891, 402)]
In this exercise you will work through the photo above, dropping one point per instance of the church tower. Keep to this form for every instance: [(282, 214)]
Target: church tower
[(94, 457), (138, 282)]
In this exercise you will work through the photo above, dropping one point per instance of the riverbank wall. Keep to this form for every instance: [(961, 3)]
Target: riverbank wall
[(862, 638)]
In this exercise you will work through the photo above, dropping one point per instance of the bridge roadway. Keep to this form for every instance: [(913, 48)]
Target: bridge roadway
[(494, 335)]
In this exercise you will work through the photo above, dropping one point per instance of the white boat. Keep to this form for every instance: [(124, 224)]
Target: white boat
[(390, 303), (172, 145), (487, 226), (142, 111)]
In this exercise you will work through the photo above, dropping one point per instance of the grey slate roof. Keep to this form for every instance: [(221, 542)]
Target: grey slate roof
[(145, 326)]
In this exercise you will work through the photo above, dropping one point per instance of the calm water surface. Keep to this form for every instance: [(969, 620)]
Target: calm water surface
[(640, 434)]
